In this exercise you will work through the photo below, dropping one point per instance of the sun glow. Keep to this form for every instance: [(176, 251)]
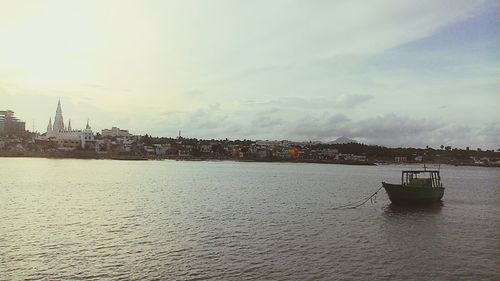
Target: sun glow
[(47, 71), (48, 48)]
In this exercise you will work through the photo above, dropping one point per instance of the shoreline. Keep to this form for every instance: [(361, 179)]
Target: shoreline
[(124, 157)]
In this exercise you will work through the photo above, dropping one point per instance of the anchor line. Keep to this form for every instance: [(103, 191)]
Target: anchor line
[(358, 203)]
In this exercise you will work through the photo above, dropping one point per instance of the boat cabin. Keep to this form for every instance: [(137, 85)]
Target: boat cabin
[(422, 178)]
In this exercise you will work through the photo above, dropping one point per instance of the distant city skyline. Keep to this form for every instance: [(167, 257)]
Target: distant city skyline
[(391, 73)]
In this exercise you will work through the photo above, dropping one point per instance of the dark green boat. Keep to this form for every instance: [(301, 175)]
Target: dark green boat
[(419, 186)]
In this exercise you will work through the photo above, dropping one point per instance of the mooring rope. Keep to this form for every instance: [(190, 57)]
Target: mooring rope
[(356, 204)]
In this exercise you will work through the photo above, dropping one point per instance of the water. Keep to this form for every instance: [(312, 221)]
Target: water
[(168, 220)]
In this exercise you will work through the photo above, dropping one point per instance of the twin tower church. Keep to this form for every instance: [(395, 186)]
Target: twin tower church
[(65, 136)]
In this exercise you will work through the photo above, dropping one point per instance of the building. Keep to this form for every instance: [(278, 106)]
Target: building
[(65, 136), (10, 125), (400, 159), (115, 132)]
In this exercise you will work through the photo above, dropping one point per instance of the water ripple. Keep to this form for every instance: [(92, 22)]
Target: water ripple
[(168, 220)]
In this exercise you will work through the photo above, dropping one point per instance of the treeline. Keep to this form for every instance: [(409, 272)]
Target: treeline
[(382, 152)]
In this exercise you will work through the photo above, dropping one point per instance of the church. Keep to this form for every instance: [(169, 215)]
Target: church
[(65, 136)]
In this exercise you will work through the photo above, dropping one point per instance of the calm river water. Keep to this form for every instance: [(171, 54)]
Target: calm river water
[(168, 220)]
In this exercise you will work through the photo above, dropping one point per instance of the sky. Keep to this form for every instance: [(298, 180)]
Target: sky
[(386, 72)]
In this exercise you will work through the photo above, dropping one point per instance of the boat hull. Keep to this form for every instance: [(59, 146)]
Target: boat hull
[(413, 194)]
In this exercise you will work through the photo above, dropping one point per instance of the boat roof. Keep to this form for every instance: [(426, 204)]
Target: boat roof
[(420, 171)]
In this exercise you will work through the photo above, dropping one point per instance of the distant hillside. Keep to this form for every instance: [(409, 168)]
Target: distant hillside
[(343, 140)]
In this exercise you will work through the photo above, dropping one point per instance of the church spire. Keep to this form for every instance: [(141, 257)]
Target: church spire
[(69, 125), (58, 120), (88, 126), (49, 127)]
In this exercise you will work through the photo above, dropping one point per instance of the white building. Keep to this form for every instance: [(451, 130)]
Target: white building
[(61, 133), (115, 132), (160, 149)]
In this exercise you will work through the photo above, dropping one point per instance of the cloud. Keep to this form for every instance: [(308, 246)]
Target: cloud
[(194, 93), (349, 101), (393, 126), (218, 121), (379, 71), (267, 123), (394, 130)]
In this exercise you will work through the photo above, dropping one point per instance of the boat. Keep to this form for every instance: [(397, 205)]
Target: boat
[(417, 186)]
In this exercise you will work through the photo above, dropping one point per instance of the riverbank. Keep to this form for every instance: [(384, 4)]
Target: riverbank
[(130, 157), (104, 156), (71, 155)]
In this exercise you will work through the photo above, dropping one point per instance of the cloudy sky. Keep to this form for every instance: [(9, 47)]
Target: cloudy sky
[(395, 73)]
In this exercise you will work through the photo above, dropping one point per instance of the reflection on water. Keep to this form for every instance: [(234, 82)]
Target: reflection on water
[(168, 220), (394, 209)]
